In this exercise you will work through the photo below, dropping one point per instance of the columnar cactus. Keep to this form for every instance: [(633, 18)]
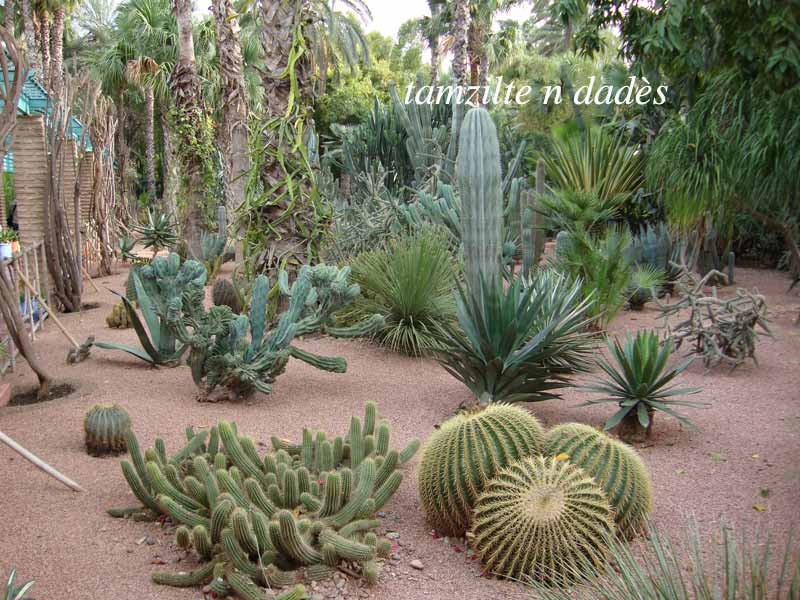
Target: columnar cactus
[(464, 454), (542, 519), (615, 466), (119, 317), (223, 293), (106, 426), (290, 515), (480, 185)]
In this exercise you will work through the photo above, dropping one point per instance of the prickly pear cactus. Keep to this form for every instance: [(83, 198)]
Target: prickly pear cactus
[(272, 521), (464, 454), (542, 519), (106, 427)]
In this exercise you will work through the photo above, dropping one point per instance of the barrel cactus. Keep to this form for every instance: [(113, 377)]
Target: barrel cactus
[(106, 427), (224, 294), (465, 453), (615, 466), (119, 317), (480, 185), (542, 519)]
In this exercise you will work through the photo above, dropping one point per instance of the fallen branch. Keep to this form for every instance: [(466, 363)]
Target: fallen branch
[(38, 462)]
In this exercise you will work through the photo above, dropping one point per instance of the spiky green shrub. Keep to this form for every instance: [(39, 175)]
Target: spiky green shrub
[(506, 348), (295, 513), (577, 210), (106, 427), (126, 244), (158, 231), (162, 290), (212, 252), (641, 382), (11, 591), (616, 467), (464, 454), (661, 570), (409, 283), (542, 519), (643, 285)]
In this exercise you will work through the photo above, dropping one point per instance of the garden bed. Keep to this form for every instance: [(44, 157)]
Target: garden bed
[(740, 468)]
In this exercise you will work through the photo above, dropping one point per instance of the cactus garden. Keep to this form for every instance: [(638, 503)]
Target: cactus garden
[(453, 299)]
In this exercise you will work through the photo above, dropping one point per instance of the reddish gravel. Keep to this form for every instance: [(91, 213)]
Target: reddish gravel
[(749, 442)]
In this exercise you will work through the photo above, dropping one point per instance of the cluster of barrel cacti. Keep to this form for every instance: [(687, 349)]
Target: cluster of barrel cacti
[(119, 318), (239, 353), (294, 514), (534, 504)]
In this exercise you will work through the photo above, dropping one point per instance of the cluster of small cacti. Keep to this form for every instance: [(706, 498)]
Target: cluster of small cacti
[(292, 515), (106, 427), (119, 317), (534, 505)]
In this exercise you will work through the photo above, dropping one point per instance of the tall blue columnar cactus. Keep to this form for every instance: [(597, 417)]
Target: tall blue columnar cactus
[(480, 184), (161, 288)]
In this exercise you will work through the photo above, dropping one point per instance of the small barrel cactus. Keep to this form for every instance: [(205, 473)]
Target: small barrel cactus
[(119, 317), (615, 466), (544, 520), (106, 426), (224, 294), (465, 453)]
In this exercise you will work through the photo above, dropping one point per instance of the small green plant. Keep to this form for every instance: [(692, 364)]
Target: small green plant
[(464, 454), (409, 282), (662, 570), (542, 519), (643, 286), (126, 244), (641, 383), (8, 235), (158, 232), (212, 252), (119, 318), (11, 591), (106, 427)]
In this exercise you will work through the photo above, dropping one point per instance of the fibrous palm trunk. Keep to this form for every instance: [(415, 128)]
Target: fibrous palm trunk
[(191, 117), (460, 42), (234, 108), (150, 142), (31, 51), (435, 59), (8, 16), (57, 51), (169, 167), (44, 47), (474, 49)]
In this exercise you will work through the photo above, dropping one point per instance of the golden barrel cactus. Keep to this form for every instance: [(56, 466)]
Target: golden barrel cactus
[(106, 427)]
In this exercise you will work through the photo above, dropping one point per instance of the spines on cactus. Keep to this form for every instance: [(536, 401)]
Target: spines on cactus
[(106, 427), (464, 454), (224, 293)]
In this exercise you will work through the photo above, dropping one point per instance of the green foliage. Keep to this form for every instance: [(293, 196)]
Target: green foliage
[(543, 520), (347, 103), (161, 288), (119, 318), (643, 286), (212, 252), (409, 283), (508, 346), (126, 244), (106, 427), (641, 382), (294, 513), (11, 591), (616, 467), (464, 454), (582, 211), (664, 570), (158, 232)]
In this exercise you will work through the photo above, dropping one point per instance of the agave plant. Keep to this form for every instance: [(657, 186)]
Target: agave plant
[(126, 244), (158, 232), (409, 282), (641, 383), (743, 570), (505, 350), (162, 287), (13, 592)]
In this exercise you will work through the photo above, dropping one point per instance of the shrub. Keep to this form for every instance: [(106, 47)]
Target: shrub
[(10, 590), (409, 282)]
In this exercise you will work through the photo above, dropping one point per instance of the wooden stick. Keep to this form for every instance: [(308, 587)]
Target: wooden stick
[(89, 277), (28, 455), (53, 316)]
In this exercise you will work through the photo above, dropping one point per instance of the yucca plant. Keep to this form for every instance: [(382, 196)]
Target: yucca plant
[(13, 592), (409, 282), (497, 352), (641, 383), (660, 570), (158, 232)]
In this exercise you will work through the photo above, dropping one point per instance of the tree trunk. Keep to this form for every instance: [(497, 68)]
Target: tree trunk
[(474, 52), (9, 306), (8, 16), (44, 48), (57, 54), (149, 143), (435, 59), (234, 109), (31, 52), (169, 196), (460, 42)]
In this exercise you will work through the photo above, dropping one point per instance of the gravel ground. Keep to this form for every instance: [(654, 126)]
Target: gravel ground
[(745, 456)]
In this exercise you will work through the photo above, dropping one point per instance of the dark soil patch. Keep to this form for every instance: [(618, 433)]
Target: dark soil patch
[(90, 305), (30, 396)]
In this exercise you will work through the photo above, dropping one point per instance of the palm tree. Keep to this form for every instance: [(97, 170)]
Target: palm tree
[(234, 101), (8, 16), (461, 26), (31, 49), (141, 71)]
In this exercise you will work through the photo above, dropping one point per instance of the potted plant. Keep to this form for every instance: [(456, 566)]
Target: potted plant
[(8, 238)]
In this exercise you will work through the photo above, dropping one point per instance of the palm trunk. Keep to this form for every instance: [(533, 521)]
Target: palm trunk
[(28, 20), (57, 54), (44, 48), (149, 144), (435, 59), (8, 16), (460, 42), (474, 50), (169, 168), (234, 109)]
